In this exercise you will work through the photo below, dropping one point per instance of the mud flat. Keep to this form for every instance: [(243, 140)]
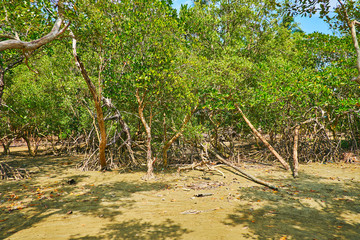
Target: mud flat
[(60, 202)]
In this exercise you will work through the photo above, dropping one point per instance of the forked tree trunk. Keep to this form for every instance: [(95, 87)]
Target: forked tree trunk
[(272, 150), (150, 161)]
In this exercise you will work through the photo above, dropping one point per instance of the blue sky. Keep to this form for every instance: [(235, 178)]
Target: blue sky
[(308, 25)]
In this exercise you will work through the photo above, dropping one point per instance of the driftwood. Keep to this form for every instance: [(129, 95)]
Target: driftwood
[(246, 175), (201, 166), (266, 143)]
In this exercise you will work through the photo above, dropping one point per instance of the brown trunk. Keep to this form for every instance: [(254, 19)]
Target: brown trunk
[(150, 169), (295, 151), (178, 134), (6, 147), (101, 123), (32, 151), (99, 112), (125, 128), (272, 150)]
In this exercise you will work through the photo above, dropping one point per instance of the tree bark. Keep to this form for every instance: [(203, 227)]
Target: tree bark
[(272, 150), (14, 43), (150, 161), (97, 102), (32, 151), (178, 134), (295, 151)]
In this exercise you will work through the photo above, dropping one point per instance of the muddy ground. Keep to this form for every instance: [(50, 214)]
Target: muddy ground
[(60, 202)]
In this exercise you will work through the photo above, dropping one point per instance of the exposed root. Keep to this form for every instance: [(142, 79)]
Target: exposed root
[(9, 173)]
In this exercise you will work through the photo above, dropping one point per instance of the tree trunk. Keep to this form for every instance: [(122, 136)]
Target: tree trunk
[(178, 134), (295, 151), (352, 28), (6, 147), (273, 151), (150, 161), (97, 102), (124, 126), (32, 151)]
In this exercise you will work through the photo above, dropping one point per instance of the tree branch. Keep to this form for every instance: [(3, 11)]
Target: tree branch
[(30, 46)]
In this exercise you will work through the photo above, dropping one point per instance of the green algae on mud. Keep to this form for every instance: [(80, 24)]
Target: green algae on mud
[(323, 203)]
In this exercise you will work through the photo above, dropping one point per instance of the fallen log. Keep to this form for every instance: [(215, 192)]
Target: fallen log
[(246, 175)]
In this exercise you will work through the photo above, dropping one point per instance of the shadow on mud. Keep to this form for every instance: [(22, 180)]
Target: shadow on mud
[(136, 229), (27, 202), (307, 208)]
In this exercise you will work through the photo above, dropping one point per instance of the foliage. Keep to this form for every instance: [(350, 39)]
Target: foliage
[(151, 61)]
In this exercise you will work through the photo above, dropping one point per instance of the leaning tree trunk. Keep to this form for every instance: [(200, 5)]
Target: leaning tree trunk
[(273, 151), (149, 159), (176, 136), (97, 102)]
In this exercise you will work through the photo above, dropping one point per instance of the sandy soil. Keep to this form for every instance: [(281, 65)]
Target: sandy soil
[(60, 202)]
